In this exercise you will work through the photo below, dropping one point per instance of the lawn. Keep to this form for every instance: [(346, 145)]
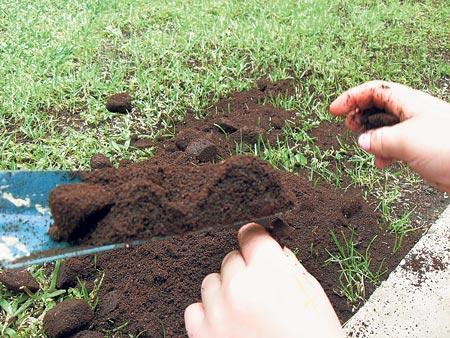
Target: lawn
[(60, 60)]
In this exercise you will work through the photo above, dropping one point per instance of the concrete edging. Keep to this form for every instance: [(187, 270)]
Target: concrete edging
[(413, 301)]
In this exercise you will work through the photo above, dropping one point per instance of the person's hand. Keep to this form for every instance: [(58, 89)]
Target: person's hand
[(261, 291), (421, 139)]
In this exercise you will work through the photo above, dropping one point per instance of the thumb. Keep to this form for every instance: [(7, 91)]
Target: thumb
[(386, 142)]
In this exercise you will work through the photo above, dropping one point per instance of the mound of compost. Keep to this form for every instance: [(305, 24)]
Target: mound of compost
[(192, 183), (158, 199)]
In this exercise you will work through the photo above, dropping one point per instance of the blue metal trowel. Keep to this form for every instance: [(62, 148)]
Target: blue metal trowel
[(25, 219)]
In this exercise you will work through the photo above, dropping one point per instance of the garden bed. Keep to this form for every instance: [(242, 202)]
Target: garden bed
[(195, 181)]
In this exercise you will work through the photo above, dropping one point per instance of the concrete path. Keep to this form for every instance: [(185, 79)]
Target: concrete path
[(415, 300)]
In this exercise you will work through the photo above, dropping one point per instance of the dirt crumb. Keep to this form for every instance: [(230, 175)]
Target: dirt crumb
[(100, 161), (203, 150), (71, 269), (67, 318), (374, 117), (18, 280), (119, 103)]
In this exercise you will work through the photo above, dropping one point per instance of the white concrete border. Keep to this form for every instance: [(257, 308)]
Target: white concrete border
[(407, 304)]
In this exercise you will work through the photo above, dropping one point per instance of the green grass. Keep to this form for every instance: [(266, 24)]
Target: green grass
[(22, 314), (399, 225), (355, 268), (61, 59)]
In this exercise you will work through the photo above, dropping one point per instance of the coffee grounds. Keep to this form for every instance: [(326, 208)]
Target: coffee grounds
[(119, 103), (164, 277), (422, 263), (100, 161), (88, 334), (67, 318), (156, 199), (374, 117), (149, 286), (18, 280), (75, 208)]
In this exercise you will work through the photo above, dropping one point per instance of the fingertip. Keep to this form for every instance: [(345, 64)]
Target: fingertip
[(333, 107), (249, 229), (194, 316), (364, 141), (257, 245), (342, 105), (353, 120), (211, 282)]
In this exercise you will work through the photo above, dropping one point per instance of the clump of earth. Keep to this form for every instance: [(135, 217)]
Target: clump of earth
[(119, 103), (374, 117)]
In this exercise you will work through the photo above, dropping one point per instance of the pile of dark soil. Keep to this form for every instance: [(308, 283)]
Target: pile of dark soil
[(185, 187), (158, 199)]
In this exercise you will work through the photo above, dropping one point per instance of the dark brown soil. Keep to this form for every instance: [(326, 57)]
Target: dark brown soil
[(18, 280), (119, 103), (149, 286), (88, 334), (67, 318), (100, 161), (70, 270), (375, 118), (141, 143), (76, 207), (156, 198), (423, 262)]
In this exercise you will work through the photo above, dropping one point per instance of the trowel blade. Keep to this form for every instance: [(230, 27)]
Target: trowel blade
[(48, 256)]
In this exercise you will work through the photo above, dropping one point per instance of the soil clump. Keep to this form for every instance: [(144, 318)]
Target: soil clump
[(119, 103), (68, 318), (71, 269), (18, 280), (374, 117), (100, 161), (75, 207), (141, 143)]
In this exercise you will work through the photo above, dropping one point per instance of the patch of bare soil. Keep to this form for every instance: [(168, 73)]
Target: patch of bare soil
[(193, 183)]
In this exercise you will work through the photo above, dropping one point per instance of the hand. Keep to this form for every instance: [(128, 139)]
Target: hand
[(421, 139), (261, 291)]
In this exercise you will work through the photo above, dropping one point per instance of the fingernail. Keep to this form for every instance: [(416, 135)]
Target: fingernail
[(243, 229), (364, 141)]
